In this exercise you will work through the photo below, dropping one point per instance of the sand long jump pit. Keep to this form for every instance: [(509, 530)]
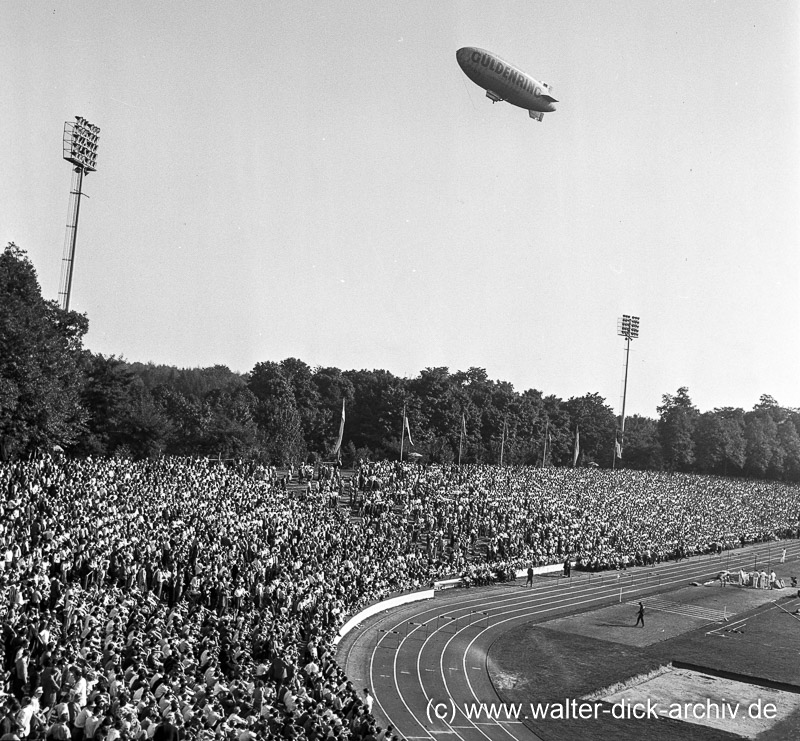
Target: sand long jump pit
[(742, 708)]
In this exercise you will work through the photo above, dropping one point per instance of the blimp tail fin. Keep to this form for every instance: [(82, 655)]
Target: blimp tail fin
[(538, 115), (549, 94)]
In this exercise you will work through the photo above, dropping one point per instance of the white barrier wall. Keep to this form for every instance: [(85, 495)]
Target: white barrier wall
[(388, 604), (404, 599), (551, 569)]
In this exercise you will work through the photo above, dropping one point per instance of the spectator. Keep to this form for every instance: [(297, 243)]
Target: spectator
[(202, 591)]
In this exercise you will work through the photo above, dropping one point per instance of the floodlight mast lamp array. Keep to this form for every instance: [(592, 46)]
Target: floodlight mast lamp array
[(627, 327), (80, 148)]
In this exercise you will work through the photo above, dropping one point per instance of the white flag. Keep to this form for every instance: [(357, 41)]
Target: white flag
[(577, 449), (341, 432), (408, 432)]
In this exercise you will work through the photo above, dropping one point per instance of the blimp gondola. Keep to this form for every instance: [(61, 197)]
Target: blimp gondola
[(505, 82)]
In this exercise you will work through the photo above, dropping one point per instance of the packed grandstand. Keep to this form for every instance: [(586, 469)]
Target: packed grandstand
[(196, 599)]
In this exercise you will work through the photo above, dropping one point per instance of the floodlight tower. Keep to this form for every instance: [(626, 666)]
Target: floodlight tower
[(80, 148), (627, 327)]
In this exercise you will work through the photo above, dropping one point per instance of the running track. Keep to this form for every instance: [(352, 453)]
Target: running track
[(426, 661)]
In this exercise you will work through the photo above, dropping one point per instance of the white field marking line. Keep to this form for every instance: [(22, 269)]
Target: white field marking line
[(689, 566), (397, 686), (422, 686), (464, 672), (441, 631), (693, 616), (655, 601), (562, 597), (744, 620), (419, 652), (686, 567), (472, 624), (637, 573), (447, 691), (381, 621), (611, 589), (500, 622), (443, 676), (682, 608), (715, 616), (624, 580), (607, 589), (790, 614)]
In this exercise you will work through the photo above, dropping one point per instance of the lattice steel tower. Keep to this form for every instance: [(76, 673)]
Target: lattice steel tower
[(627, 327), (80, 148)]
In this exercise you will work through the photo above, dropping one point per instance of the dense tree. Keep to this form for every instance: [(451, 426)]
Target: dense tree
[(306, 398), (720, 442), (789, 440), (597, 423), (185, 416), (373, 417), (192, 383), (676, 425), (147, 431), (40, 363), (276, 414), (642, 448), (531, 425), (332, 387), (52, 392), (109, 397), (760, 436), (443, 400), (229, 429), (559, 432)]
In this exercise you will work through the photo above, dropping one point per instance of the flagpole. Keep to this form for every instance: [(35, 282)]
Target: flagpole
[(337, 449), (403, 433), (544, 449), (503, 440), (461, 439), (577, 449)]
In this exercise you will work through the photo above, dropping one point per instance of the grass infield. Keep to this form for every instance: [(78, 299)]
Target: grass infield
[(595, 653)]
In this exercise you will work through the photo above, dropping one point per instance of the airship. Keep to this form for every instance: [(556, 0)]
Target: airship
[(505, 82)]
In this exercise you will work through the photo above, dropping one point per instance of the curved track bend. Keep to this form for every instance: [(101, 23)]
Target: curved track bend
[(427, 661)]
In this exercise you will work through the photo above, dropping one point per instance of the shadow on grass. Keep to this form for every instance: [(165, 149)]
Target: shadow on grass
[(617, 625)]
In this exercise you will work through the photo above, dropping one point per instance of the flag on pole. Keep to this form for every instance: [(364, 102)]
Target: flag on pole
[(462, 436), (618, 449), (503, 440), (546, 438), (341, 433), (408, 431), (577, 450)]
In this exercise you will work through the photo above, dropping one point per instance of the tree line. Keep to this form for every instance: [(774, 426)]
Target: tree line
[(56, 393)]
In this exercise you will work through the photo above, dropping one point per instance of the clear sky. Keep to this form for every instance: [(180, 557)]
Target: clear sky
[(320, 180)]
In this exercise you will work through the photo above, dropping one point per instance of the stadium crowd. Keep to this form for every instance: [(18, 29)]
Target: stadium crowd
[(596, 519), (193, 599)]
